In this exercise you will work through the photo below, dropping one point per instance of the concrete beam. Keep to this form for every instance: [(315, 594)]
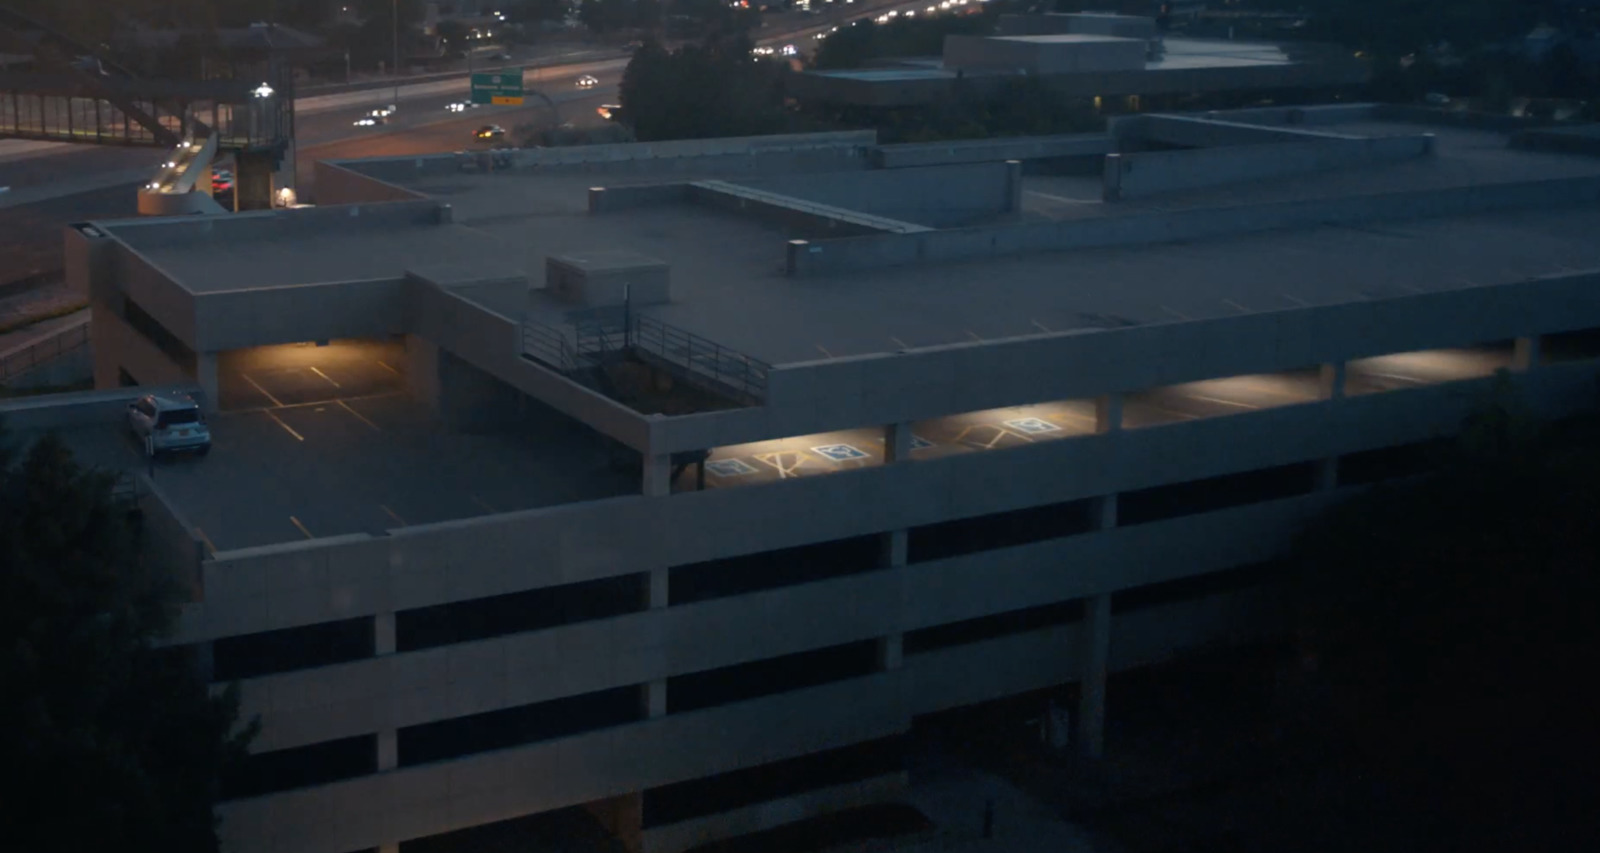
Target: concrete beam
[(1094, 667)]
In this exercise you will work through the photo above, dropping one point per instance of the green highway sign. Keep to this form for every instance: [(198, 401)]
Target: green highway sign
[(502, 88)]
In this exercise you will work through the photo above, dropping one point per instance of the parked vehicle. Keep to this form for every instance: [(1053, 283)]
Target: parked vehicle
[(168, 423)]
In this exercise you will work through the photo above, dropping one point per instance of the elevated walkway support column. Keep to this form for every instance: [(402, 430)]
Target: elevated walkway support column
[(253, 179), (1524, 354), (1107, 413)]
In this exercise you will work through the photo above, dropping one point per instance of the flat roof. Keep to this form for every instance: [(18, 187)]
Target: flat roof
[(728, 284), (1180, 54), (304, 462)]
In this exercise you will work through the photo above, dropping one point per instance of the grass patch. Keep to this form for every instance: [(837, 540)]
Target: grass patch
[(25, 322)]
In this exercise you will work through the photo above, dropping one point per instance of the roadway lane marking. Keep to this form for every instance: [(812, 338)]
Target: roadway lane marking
[(359, 416), (1042, 327), (824, 350), (1221, 401), (974, 335), (264, 392), (210, 548), (385, 366), (286, 427), (394, 515), (485, 504), (899, 343), (1058, 198), (1233, 304), (325, 376), (300, 527), (385, 395)]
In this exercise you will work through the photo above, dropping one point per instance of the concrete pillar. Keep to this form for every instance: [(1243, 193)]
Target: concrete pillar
[(894, 549), (383, 634), (896, 443), (1105, 512), (388, 749), (1327, 474), (1330, 381), (1107, 413), (891, 651), (656, 592), (657, 475), (205, 375), (654, 698), (1095, 665), (1525, 354), (1013, 186)]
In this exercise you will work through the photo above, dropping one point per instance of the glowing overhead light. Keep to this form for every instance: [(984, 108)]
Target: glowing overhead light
[(262, 91)]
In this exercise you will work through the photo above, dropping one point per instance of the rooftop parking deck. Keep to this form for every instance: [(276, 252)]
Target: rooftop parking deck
[(358, 465)]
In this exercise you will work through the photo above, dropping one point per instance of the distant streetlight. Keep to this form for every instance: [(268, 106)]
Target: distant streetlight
[(262, 91)]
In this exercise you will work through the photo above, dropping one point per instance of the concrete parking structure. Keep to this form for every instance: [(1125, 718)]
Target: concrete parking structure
[(464, 569)]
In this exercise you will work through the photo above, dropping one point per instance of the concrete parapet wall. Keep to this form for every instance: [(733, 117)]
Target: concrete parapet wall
[(117, 346), (1583, 140), (1204, 132), (613, 199), (1155, 172), (493, 344), (795, 212), (1457, 118), (939, 196), (235, 319), (1310, 116), (336, 184), (913, 154), (169, 538), (855, 254), (84, 408)]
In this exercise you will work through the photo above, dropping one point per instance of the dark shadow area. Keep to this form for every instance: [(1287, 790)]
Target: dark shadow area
[(520, 725), (992, 627), (999, 530), (870, 824), (549, 607), (569, 830), (709, 795), (774, 675), (314, 764), (268, 652), (1214, 493), (749, 573)]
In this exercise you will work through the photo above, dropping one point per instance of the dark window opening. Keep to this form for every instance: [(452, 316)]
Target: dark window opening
[(174, 417), (990, 627), (1000, 530), (141, 322), (773, 675), (709, 795), (1580, 345), (251, 655), (772, 569), (549, 607), (1387, 463), (1214, 493), (1195, 587), (520, 725), (314, 764)]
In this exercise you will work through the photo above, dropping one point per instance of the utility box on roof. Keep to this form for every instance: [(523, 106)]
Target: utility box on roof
[(602, 278)]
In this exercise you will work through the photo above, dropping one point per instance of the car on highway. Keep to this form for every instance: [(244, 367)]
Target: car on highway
[(632, 46), (384, 112), (609, 112), (502, 57), (460, 106), (370, 121), (490, 132), (762, 51), (588, 81), (169, 423), (789, 50)]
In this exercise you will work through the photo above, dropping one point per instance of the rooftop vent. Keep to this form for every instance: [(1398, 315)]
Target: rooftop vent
[(601, 278)]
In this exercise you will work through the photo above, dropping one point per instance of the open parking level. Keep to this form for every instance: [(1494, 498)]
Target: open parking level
[(355, 465), (996, 429)]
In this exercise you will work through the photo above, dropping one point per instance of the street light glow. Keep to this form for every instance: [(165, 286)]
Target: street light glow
[(262, 91)]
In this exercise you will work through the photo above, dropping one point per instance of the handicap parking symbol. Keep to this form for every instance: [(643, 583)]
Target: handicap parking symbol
[(1032, 426), (730, 467), (838, 452)]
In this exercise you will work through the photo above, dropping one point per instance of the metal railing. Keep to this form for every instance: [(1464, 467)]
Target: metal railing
[(549, 345), (604, 334), (36, 355), (702, 359)]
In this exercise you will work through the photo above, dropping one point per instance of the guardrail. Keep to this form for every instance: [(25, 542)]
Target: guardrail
[(703, 359), (36, 355), (549, 345)]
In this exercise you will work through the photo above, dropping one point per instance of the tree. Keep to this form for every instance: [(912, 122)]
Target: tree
[(1452, 616), (701, 91), (110, 742)]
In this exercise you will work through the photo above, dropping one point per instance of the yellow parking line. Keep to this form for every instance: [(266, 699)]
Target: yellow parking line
[(325, 376), (974, 335), (300, 527), (824, 350), (899, 343), (1043, 327), (286, 427), (394, 515), (359, 416), (263, 391), (385, 366)]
